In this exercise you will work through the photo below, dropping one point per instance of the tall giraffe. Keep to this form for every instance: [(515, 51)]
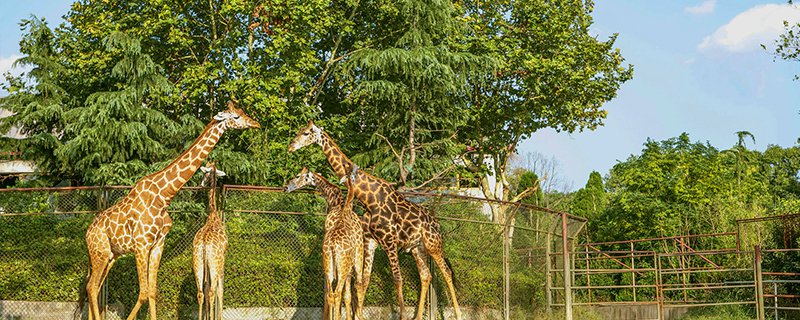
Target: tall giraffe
[(391, 221), (139, 222), (342, 245), (209, 246)]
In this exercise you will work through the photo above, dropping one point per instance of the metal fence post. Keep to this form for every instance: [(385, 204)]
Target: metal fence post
[(659, 287), (548, 283), (506, 271), (775, 298), (758, 282), (567, 275)]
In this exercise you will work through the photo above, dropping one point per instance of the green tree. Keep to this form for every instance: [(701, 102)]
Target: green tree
[(36, 99), (591, 200), (528, 181), (554, 74), (410, 88), (116, 135)]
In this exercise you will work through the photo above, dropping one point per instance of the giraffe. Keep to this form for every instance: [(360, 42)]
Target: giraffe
[(342, 245), (139, 222), (209, 246), (391, 221)]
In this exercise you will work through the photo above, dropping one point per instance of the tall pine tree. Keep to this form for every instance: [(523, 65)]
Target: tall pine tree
[(410, 90)]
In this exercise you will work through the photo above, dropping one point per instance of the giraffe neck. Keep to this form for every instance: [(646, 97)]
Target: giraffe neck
[(177, 173), (331, 192), (338, 160), (212, 196)]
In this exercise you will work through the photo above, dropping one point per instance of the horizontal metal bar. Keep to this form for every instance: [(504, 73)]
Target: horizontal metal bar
[(781, 281), (709, 235), (638, 286), (709, 252), (788, 296), (685, 305), (708, 287), (617, 303), (783, 274), (20, 214), (276, 212), (782, 308), (780, 217), (693, 285), (687, 271), (780, 250), (611, 271)]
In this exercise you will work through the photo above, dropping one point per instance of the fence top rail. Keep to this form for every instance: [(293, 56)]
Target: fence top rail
[(767, 218), (428, 194), (49, 189), (706, 235), (518, 204), (57, 189)]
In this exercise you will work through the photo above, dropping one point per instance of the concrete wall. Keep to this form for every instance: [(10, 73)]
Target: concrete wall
[(637, 312), (33, 310)]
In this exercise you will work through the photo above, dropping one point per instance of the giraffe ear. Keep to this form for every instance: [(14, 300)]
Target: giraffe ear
[(231, 105), (221, 173), (205, 169), (221, 116)]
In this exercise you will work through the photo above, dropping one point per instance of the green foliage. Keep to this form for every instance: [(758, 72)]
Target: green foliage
[(730, 312), (411, 89), (282, 250), (553, 72), (590, 200), (679, 187)]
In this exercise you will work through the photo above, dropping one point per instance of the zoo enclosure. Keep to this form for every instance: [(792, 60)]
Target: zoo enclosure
[(659, 278), (273, 266)]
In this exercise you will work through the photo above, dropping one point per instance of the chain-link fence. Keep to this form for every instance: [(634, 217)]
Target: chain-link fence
[(273, 266)]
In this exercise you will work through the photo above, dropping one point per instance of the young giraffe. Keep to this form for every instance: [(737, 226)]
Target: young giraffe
[(391, 221), (209, 246), (139, 222), (342, 245)]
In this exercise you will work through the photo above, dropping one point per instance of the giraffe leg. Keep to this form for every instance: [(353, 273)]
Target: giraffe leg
[(100, 264), (358, 270), (327, 267), (438, 258), (361, 288), (199, 273), (424, 278), (152, 274), (220, 285), (394, 262), (141, 269), (342, 270), (213, 274), (347, 297)]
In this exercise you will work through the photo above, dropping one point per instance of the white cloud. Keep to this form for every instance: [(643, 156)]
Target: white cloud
[(704, 8), (6, 62), (748, 30)]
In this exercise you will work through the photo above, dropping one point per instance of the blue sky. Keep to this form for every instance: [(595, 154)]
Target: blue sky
[(698, 68)]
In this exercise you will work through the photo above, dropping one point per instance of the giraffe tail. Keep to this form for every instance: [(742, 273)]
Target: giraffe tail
[(83, 296), (452, 272)]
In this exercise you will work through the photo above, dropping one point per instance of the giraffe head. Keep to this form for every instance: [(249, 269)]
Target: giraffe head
[(235, 118), (210, 172), (310, 134), (304, 178)]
